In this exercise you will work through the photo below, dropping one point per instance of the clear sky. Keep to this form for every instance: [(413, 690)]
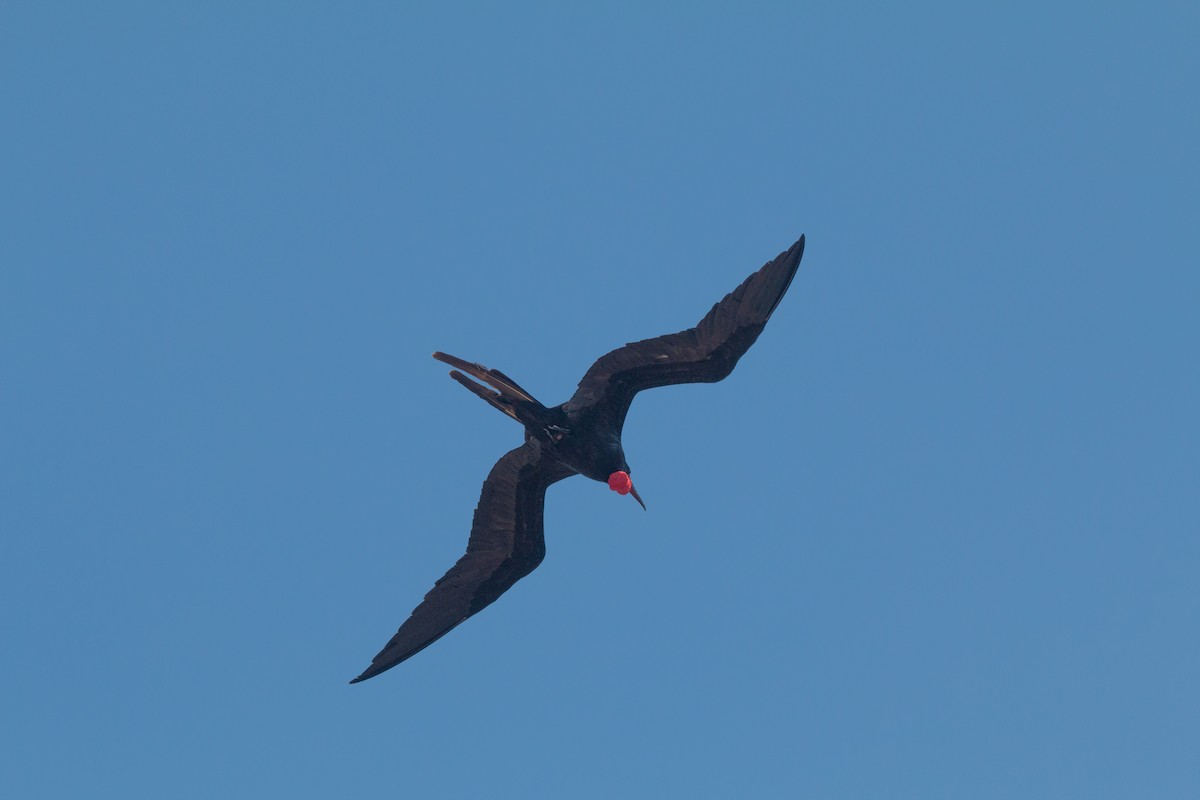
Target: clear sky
[(936, 537)]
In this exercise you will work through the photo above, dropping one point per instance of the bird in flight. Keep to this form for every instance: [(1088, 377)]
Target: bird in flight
[(580, 437)]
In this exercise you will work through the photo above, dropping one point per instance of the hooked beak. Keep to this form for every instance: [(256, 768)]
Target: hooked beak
[(637, 497)]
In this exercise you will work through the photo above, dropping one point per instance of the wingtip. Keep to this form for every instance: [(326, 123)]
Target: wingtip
[(793, 255)]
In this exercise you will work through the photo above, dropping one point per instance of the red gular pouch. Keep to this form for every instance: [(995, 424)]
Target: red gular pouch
[(620, 482)]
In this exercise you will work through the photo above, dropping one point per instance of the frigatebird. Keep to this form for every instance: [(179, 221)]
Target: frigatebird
[(580, 437)]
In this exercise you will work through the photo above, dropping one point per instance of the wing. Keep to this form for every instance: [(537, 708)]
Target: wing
[(703, 354), (506, 544)]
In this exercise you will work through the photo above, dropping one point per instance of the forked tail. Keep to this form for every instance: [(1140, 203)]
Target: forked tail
[(505, 394)]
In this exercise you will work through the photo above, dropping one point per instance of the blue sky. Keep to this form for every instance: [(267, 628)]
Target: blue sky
[(936, 537)]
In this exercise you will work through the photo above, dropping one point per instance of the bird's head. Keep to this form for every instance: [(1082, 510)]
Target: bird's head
[(621, 483)]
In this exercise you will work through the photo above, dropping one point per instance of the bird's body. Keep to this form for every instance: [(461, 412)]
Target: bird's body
[(581, 436)]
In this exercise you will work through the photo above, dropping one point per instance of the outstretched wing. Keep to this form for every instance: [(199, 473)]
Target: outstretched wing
[(703, 354), (506, 544)]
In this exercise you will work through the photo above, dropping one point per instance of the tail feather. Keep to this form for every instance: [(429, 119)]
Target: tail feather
[(493, 399), (492, 377), (512, 385), (505, 394)]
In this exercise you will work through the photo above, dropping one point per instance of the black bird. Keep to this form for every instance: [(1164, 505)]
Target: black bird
[(581, 436)]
